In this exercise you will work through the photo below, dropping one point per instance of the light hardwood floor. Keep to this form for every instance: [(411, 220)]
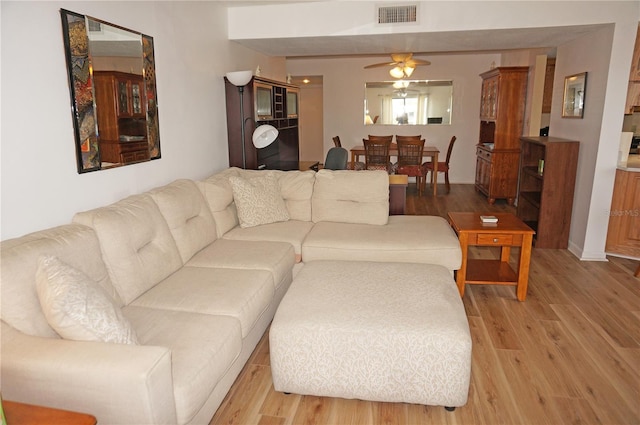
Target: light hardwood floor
[(569, 354)]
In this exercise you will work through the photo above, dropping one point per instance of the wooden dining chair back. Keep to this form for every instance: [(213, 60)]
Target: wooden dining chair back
[(376, 154), (398, 138), (410, 159), (441, 167), (337, 142), (381, 138)]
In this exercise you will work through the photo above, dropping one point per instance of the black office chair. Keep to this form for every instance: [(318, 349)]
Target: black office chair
[(336, 159)]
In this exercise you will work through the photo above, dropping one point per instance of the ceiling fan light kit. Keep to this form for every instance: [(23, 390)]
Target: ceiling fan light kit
[(403, 65)]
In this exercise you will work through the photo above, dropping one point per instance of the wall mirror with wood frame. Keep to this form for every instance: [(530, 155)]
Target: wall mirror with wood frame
[(112, 83), (408, 102)]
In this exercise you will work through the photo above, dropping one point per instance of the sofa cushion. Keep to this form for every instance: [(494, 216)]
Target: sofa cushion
[(77, 307), (219, 196), (406, 238), (347, 196), (258, 200), (292, 231), (136, 244), (202, 349), (187, 214), (74, 244), (276, 257), (242, 294)]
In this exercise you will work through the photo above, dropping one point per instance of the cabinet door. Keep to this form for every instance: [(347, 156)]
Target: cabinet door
[(489, 101), (483, 171), (623, 236), (122, 89), (137, 105)]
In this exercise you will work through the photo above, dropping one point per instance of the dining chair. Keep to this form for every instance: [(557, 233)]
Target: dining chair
[(409, 160), (337, 142), (441, 167), (376, 154), (337, 159)]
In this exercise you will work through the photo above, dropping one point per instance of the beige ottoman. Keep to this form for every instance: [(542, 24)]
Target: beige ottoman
[(394, 332)]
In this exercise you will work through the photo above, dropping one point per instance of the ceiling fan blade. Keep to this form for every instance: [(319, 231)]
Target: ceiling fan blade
[(378, 65), (417, 62)]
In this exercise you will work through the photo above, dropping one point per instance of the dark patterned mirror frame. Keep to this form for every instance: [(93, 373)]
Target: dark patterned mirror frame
[(83, 105)]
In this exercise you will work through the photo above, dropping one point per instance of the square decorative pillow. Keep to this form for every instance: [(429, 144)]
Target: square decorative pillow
[(258, 200), (77, 307)]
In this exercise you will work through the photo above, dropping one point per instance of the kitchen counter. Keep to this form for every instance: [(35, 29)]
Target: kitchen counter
[(632, 164)]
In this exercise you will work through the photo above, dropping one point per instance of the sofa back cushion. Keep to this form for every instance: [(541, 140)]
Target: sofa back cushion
[(219, 196), (74, 244), (351, 197), (188, 216), (296, 188), (137, 246)]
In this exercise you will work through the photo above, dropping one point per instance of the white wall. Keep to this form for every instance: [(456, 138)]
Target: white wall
[(605, 57), (40, 186), (344, 90)]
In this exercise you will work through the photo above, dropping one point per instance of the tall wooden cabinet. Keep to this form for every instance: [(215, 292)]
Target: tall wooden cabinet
[(265, 102), (547, 179), (122, 118), (502, 106)]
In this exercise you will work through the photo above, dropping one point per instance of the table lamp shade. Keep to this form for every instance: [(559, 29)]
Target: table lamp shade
[(264, 135)]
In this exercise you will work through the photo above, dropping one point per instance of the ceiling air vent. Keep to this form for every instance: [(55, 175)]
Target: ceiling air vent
[(397, 14)]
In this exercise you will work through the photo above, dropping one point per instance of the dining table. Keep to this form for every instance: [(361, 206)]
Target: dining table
[(429, 152)]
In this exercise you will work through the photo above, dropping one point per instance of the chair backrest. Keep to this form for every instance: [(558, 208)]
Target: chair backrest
[(376, 153), (381, 138), (337, 142), (449, 149), (410, 151), (336, 159), (398, 138)]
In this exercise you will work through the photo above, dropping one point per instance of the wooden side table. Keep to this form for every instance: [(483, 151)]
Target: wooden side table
[(29, 414), (508, 232)]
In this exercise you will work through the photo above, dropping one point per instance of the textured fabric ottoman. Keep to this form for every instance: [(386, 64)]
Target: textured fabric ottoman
[(394, 332)]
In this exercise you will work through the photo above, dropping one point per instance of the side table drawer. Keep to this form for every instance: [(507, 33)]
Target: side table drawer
[(494, 239)]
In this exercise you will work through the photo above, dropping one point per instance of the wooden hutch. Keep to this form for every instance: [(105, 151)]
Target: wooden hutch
[(264, 102), (122, 117), (502, 108)]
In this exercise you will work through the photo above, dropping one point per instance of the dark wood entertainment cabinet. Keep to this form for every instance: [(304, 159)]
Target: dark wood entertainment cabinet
[(264, 102)]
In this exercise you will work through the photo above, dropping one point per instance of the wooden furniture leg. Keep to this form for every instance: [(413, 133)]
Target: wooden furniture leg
[(523, 267), (637, 273), (461, 275)]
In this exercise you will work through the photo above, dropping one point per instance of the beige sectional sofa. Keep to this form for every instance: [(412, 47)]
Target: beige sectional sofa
[(190, 286)]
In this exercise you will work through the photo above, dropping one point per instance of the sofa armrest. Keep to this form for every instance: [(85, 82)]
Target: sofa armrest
[(117, 383)]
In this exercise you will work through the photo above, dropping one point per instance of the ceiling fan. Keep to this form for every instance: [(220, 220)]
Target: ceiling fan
[(403, 64)]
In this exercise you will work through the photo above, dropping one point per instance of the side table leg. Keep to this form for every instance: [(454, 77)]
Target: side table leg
[(523, 267), (461, 276)]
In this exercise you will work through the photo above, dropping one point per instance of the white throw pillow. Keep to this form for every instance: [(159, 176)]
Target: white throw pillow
[(258, 200), (77, 307)]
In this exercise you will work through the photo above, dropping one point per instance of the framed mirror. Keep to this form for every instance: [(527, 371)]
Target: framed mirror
[(112, 85), (574, 91), (408, 102)]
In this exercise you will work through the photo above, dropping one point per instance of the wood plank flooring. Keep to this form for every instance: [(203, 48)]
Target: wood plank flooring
[(569, 354)]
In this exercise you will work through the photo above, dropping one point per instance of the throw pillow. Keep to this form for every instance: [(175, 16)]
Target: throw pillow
[(258, 200), (77, 307)]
